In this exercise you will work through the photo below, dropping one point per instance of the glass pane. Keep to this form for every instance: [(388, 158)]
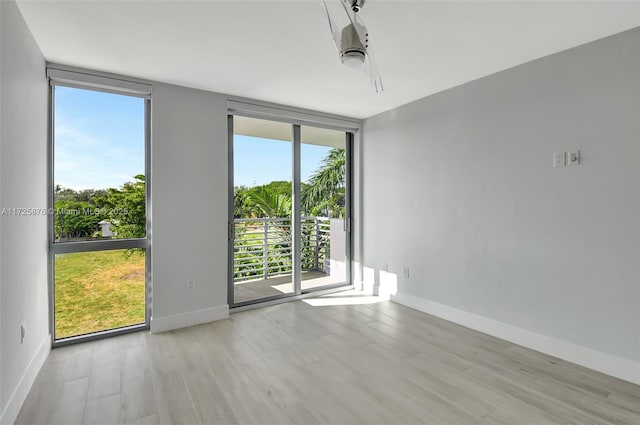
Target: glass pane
[(99, 290), (262, 263), (324, 239), (99, 166)]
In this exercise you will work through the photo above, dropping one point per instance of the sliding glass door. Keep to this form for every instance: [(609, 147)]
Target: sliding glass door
[(290, 208), (262, 205), (323, 208), (98, 212)]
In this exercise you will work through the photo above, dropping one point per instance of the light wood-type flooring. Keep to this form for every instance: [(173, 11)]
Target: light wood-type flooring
[(296, 363)]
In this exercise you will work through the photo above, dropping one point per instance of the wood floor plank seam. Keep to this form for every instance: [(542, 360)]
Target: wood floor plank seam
[(296, 363)]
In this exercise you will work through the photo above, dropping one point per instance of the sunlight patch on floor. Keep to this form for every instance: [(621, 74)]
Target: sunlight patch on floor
[(343, 298)]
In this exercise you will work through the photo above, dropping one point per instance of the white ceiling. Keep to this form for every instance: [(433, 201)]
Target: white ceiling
[(281, 51), (275, 130)]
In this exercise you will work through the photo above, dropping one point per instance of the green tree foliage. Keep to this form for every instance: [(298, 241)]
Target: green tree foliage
[(126, 208), (280, 187), (268, 203), (87, 195), (77, 213), (75, 219), (324, 193), (269, 200), (241, 208)]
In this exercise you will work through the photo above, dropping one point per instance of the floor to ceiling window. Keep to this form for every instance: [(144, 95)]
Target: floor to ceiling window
[(262, 202), (323, 207), (99, 227), (290, 208)]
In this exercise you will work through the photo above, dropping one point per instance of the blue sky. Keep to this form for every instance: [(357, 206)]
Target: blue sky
[(260, 161), (99, 143), (99, 138)]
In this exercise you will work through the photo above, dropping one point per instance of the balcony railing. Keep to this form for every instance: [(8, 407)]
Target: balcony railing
[(263, 247)]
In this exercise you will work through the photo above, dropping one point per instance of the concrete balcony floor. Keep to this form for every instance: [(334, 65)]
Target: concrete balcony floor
[(278, 285)]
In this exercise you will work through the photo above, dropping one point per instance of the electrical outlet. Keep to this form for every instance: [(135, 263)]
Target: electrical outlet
[(23, 333), (573, 158), (189, 285), (559, 159)]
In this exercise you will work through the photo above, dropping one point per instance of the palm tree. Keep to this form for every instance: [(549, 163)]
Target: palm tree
[(269, 203), (323, 194), (277, 206)]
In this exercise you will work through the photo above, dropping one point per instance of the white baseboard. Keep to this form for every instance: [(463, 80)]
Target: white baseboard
[(27, 379), (596, 360), (183, 320)]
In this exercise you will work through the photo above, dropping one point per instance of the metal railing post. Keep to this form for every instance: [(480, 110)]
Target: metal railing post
[(247, 252), (316, 248), (265, 254)]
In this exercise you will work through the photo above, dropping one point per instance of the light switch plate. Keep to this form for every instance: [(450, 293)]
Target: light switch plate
[(558, 159), (573, 158)]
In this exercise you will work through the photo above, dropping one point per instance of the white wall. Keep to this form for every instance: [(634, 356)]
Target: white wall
[(189, 206), (2, 403), (23, 184), (459, 187)]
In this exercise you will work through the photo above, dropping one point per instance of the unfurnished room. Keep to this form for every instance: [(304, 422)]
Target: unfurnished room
[(319, 212)]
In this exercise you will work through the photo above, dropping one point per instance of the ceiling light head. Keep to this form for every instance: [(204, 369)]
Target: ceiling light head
[(356, 5), (353, 58)]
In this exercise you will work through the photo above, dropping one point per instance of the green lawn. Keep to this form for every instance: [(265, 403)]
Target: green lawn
[(99, 290)]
